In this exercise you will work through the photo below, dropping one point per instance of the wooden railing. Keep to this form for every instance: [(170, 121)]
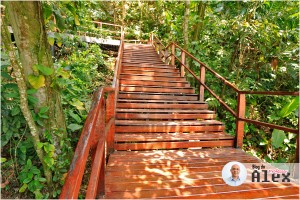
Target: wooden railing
[(97, 140), (167, 53)]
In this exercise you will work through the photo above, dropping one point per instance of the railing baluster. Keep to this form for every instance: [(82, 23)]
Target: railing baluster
[(183, 62), (173, 55), (202, 80), (241, 108)]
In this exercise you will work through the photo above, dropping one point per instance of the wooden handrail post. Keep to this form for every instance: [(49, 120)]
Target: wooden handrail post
[(183, 62), (173, 55), (201, 87), (110, 113), (241, 109)]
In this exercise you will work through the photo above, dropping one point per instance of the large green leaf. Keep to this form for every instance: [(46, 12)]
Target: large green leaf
[(74, 127), (45, 70), (36, 81), (290, 107), (277, 138)]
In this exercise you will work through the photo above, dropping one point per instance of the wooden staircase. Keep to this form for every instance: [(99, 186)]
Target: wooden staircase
[(157, 109)]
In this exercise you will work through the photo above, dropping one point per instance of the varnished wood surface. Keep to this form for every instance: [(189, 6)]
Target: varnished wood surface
[(189, 173)]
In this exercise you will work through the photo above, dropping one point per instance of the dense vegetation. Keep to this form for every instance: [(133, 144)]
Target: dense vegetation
[(254, 45)]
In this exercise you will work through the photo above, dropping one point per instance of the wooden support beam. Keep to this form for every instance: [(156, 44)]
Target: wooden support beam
[(241, 108), (202, 80), (173, 55), (183, 62)]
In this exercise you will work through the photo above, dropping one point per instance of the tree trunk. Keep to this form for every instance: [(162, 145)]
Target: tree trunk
[(186, 24), (200, 23), (26, 19), (19, 75)]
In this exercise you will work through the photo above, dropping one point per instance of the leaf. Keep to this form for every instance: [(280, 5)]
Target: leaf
[(6, 75), (31, 91), (60, 22), (45, 70), (49, 148), (36, 81), (78, 104), (16, 110), (290, 107), (75, 116), (3, 160), (51, 41), (277, 138), (27, 180), (43, 180), (76, 19), (40, 145), (29, 163), (74, 127), (38, 194), (47, 10), (44, 109), (49, 161), (23, 188)]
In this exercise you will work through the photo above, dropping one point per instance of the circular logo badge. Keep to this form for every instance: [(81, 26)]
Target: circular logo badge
[(234, 173)]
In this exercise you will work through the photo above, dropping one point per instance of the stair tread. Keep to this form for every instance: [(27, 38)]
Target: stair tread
[(154, 86), (133, 137), (157, 93), (164, 111), (170, 81), (162, 101), (167, 123)]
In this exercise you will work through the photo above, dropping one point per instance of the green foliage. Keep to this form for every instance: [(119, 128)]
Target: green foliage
[(277, 138)]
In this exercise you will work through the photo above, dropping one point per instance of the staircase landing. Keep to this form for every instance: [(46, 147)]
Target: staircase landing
[(188, 173)]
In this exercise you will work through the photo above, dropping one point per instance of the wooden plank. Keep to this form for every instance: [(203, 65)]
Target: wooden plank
[(152, 185), (167, 129), (172, 145), (153, 96), (181, 102), (150, 73), (130, 137), (155, 83), (157, 89), (243, 191), (166, 164), (151, 69), (164, 106), (167, 123), (144, 77), (164, 116), (173, 111)]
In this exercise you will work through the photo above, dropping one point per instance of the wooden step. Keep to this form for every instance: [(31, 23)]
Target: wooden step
[(154, 83), (151, 73), (161, 66), (147, 105), (156, 137), (172, 145), (156, 89), (164, 111), (151, 69), (144, 77), (127, 126), (164, 116), (149, 96)]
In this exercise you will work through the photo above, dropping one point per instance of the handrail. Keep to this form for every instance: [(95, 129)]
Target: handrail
[(92, 136), (98, 136), (239, 114)]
